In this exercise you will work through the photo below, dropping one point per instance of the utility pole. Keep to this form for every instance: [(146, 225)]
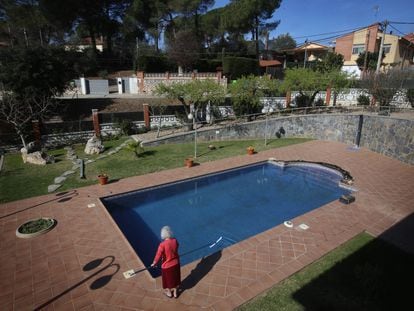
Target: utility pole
[(10, 35), (306, 54), (25, 37), (381, 52), (366, 54), (41, 37)]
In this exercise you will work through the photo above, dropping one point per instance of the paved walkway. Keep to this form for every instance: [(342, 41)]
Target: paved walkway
[(79, 264)]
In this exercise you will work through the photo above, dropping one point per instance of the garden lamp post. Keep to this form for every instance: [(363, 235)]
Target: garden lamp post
[(267, 110), (192, 116)]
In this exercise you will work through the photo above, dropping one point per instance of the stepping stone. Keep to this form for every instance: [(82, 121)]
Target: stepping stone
[(59, 180), (52, 188), (75, 167), (89, 161), (111, 152), (67, 173), (102, 156)]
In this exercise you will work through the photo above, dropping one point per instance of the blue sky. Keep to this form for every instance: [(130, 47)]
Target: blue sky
[(302, 18)]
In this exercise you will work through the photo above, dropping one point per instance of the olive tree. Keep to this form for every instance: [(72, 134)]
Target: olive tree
[(247, 91), (383, 86), (197, 93), (310, 82)]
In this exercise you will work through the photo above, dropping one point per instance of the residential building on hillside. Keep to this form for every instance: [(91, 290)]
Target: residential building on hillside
[(398, 51), (86, 43), (305, 54)]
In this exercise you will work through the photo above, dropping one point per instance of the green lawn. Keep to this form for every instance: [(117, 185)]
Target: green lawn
[(363, 274), (18, 180)]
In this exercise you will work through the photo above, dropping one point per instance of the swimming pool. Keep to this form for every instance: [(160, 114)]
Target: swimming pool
[(234, 205)]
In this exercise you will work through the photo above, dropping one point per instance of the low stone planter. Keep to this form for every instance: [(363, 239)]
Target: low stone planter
[(30, 229)]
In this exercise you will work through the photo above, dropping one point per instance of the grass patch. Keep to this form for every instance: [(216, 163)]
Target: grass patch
[(19, 180), (363, 274)]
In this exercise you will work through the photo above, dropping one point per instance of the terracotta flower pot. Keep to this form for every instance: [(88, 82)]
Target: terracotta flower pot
[(103, 179), (250, 151), (189, 162)]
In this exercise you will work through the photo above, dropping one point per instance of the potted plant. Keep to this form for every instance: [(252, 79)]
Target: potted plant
[(250, 150), (103, 178), (189, 162)]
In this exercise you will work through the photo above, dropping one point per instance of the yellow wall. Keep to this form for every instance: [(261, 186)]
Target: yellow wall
[(392, 57), (360, 37)]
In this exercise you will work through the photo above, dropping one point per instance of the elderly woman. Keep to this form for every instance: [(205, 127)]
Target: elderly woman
[(170, 268)]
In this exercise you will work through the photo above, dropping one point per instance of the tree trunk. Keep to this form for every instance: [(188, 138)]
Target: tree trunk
[(257, 36), (312, 99), (23, 140), (156, 39), (159, 126), (196, 26), (108, 43), (93, 38), (335, 97)]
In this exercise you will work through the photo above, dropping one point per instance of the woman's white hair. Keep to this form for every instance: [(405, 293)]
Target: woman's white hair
[(166, 232)]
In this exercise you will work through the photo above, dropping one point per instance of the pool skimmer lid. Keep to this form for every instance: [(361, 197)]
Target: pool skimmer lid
[(91, 205), (129, 274), (288, 224)]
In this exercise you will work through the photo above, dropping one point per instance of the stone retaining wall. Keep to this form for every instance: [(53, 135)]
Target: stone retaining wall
[(390, 136)]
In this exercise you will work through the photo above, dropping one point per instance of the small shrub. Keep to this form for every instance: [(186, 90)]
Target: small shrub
[(35, 226), (125, 126), (141, 130), (363, 100), (153, 63), (319, 102), (236, 67), (135, 147), (302, 100)]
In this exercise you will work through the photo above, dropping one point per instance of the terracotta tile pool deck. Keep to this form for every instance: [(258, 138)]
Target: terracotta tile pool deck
[(60, 270)]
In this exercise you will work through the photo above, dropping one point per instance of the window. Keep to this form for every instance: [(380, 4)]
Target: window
[(386, 48), (358, 48)]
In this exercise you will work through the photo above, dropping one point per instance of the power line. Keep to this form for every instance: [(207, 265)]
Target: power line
[(337, 36), (397, 30), (329, 33), (402, 23)]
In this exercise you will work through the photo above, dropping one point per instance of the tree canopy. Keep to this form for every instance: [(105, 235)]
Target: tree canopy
[(372, 59), (282, 42), (197, 92), (31, 78), (310, 82), (247, 91), (125, 24)]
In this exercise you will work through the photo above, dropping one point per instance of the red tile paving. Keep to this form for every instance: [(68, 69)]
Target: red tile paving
[(59, 270)]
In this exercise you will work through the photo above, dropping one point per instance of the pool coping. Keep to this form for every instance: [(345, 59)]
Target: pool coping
[(280, 163)]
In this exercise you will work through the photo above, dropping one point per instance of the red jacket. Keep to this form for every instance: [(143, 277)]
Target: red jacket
[(168, 253)]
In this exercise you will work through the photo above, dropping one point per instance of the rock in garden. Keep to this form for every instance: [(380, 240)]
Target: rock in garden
[(94, 146), (59, 180), (52, 188), (39, 158)]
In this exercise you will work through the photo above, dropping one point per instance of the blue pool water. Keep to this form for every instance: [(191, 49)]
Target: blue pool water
[(233, 204)]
